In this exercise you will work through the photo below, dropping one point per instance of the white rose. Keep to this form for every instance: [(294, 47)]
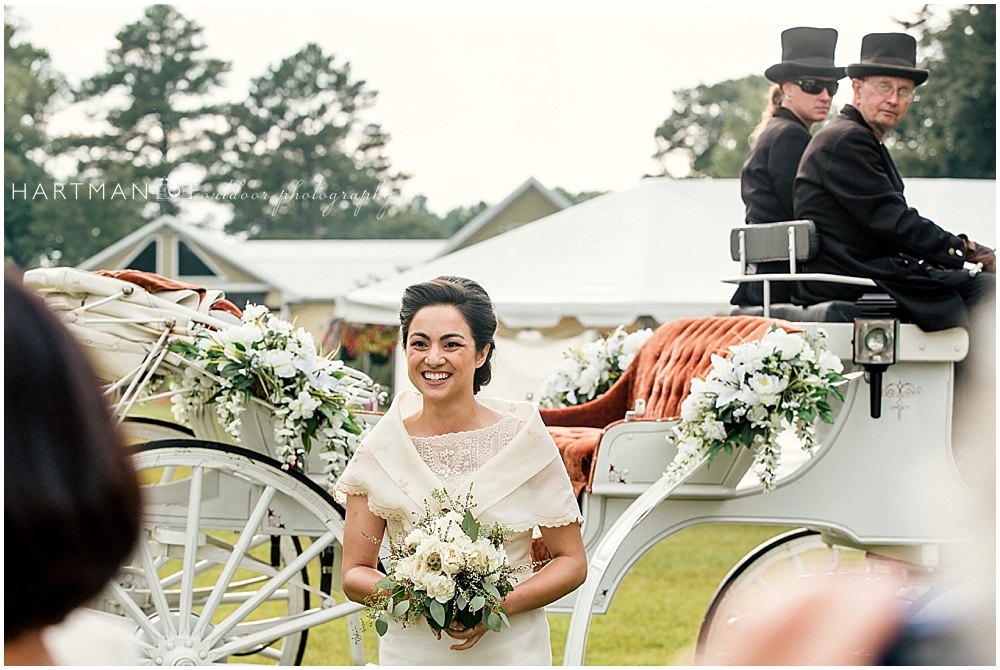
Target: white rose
[(280, 361), (787, 344), (246, 334), (829, 361), (253, 312), (452, 558), (405, 569), (439, 587)]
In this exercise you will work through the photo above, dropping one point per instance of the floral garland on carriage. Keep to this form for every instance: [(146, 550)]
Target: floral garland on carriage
[(589, 371), (753, 393), (266, 360)]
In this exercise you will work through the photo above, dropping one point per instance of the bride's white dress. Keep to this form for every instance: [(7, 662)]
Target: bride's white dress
[(517, 479)]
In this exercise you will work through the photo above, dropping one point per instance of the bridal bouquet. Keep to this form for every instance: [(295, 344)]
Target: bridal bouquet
[(311, 397), (449, 568), (589, 371), (752, 395)]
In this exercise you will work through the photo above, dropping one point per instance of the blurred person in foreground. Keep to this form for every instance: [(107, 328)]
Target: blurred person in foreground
[(71, 498), (805, 82)]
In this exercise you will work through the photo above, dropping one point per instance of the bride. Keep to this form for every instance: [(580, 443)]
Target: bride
[(443, 436)]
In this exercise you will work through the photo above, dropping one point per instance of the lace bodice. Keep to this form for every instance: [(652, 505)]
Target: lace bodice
[(452, 456)]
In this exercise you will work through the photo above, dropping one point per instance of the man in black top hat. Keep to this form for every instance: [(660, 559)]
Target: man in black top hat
[(849, 186), (804, 84)]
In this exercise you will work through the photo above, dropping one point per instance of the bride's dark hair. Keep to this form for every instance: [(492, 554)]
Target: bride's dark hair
[(470, 299)]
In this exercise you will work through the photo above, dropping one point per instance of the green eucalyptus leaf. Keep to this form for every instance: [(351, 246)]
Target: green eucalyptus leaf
[(382, 624), (401, 608), (230, 370), (470, 526), (492, 590), (437, 612), (492, 621), (477, 603)]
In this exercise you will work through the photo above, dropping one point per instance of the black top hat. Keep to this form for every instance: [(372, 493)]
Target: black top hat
[(804, 52), (890, 55)]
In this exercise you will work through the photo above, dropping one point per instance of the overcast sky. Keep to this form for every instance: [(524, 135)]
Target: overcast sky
[(478, 98)]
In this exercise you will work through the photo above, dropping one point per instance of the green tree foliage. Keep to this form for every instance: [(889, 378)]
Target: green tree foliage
[(49, 220), (457, 217), (160, 73), (404, 220), (577, 198), (29, 85), (299, 138), (709, 126), (950, 128), (84, 220)]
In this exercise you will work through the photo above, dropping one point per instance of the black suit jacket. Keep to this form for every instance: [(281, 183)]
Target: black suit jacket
[(766, 185), (849, 186)]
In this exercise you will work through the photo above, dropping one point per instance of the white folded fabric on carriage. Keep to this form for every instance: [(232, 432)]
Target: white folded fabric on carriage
[(88, 287), (118, 333)]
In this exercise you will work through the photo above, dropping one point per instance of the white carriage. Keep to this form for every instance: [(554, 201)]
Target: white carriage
[(221, 572), (880, 495)]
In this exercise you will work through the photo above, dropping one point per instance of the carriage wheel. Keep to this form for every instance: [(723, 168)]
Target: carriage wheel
[(148, 429), (754, 582), (210, 512)]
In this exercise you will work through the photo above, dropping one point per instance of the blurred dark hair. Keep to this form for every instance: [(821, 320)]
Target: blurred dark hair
[(72, 509), (470, 299)]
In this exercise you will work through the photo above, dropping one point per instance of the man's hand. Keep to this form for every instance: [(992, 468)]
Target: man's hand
[(978, 253)]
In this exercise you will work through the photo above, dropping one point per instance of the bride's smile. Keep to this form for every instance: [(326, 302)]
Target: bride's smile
[(441, 353)]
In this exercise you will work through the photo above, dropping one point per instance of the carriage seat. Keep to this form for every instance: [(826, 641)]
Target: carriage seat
[(792, 242)]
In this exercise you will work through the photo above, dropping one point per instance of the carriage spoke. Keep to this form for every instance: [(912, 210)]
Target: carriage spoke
[(174, 579), (288, 626), (155, 588), (275, 582), (191, 547), (135, 611), (246, 537)]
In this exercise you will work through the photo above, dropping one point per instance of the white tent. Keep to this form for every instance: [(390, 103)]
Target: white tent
[(659, 249)]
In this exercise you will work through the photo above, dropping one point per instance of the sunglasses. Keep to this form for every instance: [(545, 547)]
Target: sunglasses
[(816, 86)]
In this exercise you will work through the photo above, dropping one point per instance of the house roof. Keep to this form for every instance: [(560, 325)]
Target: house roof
[(484, 218), (320, 270), (303, 270)]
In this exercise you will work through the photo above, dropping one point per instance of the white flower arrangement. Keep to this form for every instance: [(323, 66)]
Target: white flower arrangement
[(588, 371), (449, 568), (751, 396), (263, 358)]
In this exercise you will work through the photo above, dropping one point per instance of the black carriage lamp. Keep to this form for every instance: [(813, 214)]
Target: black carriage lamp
[(875, 336)]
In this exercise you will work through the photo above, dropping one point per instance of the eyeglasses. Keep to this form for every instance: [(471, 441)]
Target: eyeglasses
[(816, 86), (886, 90)]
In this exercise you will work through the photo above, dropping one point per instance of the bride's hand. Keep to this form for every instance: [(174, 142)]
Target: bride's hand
[(470, 635)]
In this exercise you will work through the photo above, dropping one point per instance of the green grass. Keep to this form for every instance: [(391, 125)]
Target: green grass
[(653, 619)]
